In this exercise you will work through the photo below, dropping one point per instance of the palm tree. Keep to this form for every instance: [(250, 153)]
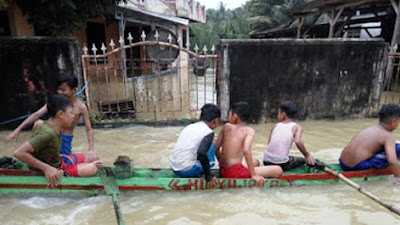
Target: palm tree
[(266, 14)]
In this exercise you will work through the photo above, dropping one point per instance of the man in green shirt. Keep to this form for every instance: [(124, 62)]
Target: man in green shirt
[(41, 151)]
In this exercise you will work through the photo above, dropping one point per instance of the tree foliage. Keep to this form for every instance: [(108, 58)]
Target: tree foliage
[(266, 14), (221, 24), (61, 17), (254, 16)]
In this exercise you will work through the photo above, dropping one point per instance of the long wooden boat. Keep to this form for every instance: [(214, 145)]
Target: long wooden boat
[(22, 181)]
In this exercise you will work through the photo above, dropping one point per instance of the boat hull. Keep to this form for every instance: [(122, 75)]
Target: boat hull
[(24, 182)]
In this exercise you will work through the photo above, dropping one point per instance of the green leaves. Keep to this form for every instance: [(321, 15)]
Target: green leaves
[(267, 14), (221, 24), (254, 16)]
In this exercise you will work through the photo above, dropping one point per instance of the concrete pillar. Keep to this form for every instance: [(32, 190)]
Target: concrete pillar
[(224, 83)]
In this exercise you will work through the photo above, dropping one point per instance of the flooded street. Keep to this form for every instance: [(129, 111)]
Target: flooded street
[(151, 147), (162, 60)]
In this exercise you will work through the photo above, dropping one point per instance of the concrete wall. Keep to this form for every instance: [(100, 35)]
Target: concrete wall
[(29, 68), (327, 78)]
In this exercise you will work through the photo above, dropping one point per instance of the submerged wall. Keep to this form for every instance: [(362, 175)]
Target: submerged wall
[(29, 68), (327, 78)]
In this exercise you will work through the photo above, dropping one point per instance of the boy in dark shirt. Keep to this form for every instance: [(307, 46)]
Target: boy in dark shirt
[(67, 86), (41, 151)]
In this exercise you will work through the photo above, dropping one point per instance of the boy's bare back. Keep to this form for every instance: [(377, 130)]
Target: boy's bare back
[(235, 139), (366, 144)]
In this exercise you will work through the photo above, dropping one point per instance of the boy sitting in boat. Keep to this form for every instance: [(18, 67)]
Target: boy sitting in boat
[(41, 151), (236, 140), (67, 86), (281, 138), (194, 151), (375, 147)]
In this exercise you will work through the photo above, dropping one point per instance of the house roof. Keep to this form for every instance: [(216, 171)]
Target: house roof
[(324, 6), (135, 14), (366, 8)]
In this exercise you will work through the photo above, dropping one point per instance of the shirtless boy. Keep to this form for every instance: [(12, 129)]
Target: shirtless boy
[(42, 150), (67, 86), (375, 147), (236, 140)]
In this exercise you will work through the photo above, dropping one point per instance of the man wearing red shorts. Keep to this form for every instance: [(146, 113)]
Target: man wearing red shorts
[(236, 139)]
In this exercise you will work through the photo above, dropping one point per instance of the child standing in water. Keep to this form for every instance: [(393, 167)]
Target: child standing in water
[(236, 140), (281, 138)]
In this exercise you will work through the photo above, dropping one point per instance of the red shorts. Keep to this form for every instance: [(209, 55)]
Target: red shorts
[(234, 171), (69, 163)]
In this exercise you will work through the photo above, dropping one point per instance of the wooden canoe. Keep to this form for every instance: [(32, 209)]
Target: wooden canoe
[(17, 181)]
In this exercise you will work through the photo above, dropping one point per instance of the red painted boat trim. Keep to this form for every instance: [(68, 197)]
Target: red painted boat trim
[(60, 187), (132, 188), (21, 172), (326, 176)]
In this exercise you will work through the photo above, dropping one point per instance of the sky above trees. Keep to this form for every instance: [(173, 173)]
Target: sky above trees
[(229, 4)]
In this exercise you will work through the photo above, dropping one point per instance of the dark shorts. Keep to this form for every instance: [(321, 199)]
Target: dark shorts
[(378, 161), (69, 164), (294, 161)]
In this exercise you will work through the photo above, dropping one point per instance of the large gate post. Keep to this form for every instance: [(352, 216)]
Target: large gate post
[(122, 24), (224, 82)]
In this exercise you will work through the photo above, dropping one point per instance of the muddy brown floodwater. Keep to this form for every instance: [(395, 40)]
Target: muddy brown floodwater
[(151, 147)]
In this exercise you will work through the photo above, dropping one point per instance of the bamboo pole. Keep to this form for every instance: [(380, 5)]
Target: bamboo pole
[(111, 188), (391, 207)]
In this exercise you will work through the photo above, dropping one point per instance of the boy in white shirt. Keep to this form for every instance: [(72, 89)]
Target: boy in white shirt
[(281, 138), (194, 151)]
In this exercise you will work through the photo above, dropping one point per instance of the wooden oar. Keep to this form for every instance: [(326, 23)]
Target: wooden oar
[(322, 166), (111, 188)]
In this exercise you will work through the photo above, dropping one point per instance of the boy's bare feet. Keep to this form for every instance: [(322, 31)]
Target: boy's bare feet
[(90, 157), (98, 163)]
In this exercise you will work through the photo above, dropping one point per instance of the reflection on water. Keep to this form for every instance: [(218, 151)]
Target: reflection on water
[(151, 147)]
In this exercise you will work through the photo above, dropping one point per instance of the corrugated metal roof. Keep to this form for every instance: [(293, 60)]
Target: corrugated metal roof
[(322, 6)]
